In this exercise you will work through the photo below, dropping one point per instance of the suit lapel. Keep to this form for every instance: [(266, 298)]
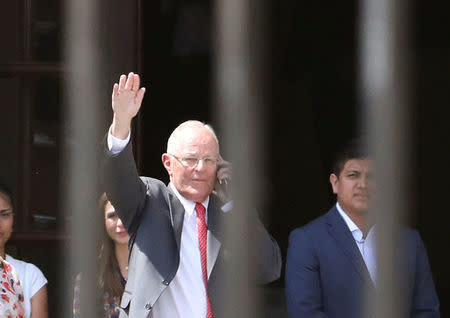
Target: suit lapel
[(176, 215), (344, 239), (213, 243)]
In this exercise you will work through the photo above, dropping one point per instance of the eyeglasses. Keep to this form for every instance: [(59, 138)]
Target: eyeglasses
[(192, 162), (5, 214)]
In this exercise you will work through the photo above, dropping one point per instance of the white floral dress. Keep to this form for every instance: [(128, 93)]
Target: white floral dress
[(11, 292)]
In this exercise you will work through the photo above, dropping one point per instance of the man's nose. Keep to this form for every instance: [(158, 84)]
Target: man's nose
[(364, 182), (200, 165)]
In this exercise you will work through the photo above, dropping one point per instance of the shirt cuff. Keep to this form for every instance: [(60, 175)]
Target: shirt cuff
[(116, 145), (227, 207)]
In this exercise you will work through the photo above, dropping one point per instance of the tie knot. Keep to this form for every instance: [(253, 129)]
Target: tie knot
[(200, 209)]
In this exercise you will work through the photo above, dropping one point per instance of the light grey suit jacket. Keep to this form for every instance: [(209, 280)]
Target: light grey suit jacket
[(153, 216)]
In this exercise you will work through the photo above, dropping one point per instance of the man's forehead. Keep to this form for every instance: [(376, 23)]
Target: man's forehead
[(357, 164), (196, 137), (197, 148)]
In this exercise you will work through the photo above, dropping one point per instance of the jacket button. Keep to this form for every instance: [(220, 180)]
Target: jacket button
[(148, 306), (165, 282)]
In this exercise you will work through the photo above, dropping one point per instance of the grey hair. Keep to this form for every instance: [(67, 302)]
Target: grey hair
[(175, 135)]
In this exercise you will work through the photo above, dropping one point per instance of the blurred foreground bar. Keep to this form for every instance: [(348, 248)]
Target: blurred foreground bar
[(83, 57), (241, 106), (385, 99)]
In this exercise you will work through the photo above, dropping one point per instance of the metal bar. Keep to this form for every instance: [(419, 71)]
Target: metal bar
[(240, 113), (83, 57), (384, 79)]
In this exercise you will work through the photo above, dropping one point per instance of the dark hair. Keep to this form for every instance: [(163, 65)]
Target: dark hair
[(356, 148), (109, 275), (5, 191)]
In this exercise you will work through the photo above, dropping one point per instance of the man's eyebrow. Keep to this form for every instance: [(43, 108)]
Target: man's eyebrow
[(4, 210)]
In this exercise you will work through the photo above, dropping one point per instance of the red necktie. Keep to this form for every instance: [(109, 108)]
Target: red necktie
[(202, 234)]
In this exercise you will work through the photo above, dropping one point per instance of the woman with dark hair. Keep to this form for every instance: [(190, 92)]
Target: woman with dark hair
[(113, 257), (30, 277), (113, 261)]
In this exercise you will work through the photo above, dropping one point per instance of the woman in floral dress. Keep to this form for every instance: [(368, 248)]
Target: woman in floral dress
[(11, 292), (32, 281)]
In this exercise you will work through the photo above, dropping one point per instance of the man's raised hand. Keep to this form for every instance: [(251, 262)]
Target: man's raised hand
[(126, 102)]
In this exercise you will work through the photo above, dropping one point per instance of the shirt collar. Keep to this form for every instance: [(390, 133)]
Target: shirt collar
[(354, 229), (189, 206)]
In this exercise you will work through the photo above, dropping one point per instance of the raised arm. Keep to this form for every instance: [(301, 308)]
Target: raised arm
[(122, 184), (126, 102), (266, 253)]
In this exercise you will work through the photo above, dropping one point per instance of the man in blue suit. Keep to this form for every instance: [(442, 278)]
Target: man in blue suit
[(331, 261)]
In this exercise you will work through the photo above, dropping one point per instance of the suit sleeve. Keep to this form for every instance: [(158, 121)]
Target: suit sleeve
[(268, 255), (123, 187), (425, 303), (303, 287)]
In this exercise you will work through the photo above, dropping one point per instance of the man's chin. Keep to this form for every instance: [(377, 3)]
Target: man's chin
[(196, 195), (362, 209)]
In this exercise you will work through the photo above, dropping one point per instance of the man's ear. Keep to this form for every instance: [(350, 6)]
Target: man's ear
[(334, 180), (165, 158)]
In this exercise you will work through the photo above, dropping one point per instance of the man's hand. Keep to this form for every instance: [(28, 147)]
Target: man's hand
[(223, 181), (126, 102)]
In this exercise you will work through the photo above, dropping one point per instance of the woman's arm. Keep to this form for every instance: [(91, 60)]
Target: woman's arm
[(39, 305)]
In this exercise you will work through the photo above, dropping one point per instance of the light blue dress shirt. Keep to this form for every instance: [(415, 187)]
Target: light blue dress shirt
[(365, 245)]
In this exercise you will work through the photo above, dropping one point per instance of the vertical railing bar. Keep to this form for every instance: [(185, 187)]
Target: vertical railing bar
[(384, 84), (240, 103), (83, 91)]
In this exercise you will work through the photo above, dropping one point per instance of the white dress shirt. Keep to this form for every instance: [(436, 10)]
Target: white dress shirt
[(186, 294), (366, 246)]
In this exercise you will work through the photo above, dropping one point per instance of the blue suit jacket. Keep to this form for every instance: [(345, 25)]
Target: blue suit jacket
[(326, 275)]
